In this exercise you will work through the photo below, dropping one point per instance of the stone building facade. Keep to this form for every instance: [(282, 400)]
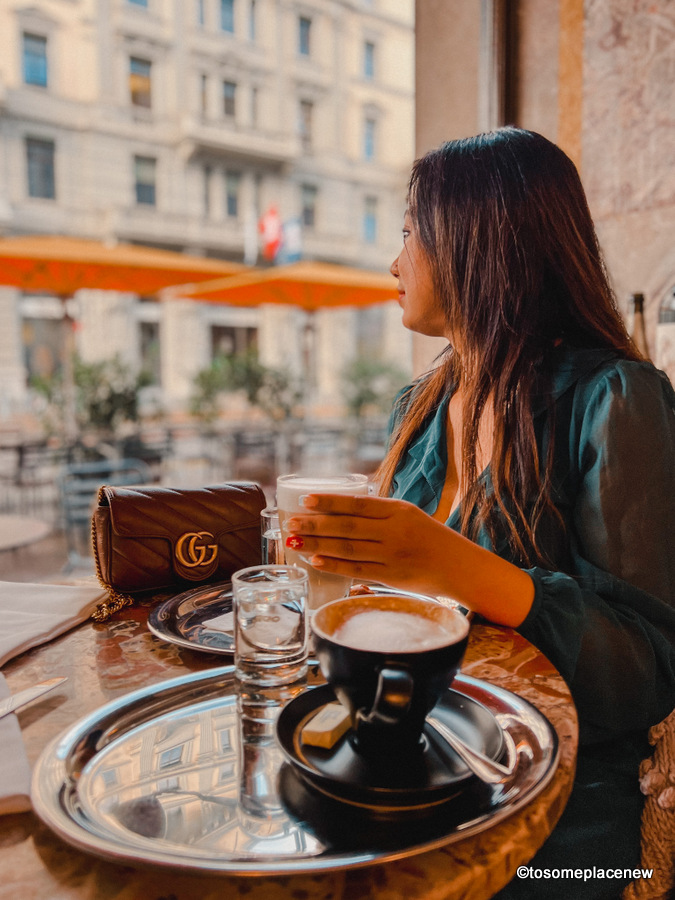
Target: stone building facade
[(178, 125)]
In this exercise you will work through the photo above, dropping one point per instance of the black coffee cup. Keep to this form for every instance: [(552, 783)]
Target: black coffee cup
[(389, 658)]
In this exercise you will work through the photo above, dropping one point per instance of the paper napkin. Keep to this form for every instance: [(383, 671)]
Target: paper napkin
[(31, 614)]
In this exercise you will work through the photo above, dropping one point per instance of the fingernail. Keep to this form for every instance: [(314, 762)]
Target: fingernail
[(292, 524), (308, 501), (294, 542), (316, 562)]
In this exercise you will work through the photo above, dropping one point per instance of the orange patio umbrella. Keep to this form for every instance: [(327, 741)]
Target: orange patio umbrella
[(309, 285), (64, 265)]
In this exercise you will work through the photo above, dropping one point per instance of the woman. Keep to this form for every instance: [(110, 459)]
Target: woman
[(531, 474)]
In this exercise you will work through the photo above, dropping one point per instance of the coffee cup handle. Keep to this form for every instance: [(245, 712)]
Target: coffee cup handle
[(392, 698)]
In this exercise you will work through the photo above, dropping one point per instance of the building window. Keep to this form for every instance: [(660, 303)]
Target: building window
[(229, 98), (252, 21), (145, 177), (227, 15), (369, 60), (229, 340), (254, 106), (200, 13), (369, 129), (139, 3), (203, 95), (139, 82), (232, 183), (170, 757), (370, 220), (305, 123), (35, 59), (40, 163), (207, 172), (309, 194), (304, 29), (150, 351)]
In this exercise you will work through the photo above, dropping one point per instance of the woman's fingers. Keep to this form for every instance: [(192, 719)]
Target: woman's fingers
[(368, 507)]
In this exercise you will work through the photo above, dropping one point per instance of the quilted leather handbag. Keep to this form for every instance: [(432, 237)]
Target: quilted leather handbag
[(153, 538)]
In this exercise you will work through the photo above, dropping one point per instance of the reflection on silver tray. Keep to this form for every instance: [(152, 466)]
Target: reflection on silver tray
[(188, 773), (200, 619)]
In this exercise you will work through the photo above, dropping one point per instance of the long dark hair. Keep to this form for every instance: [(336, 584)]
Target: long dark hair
[(516, 265)]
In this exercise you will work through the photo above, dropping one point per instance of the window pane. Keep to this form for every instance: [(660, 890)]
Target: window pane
[(203, 95), (251, 21), (35, 59), (309, 192), (139, 2), (369, 139), (139, 82), (229, 98), (370, 220), (150, 351), (369, 60), (304, 27), (40, 162), (232, 182), (206, 175), (305, 123), (200, 12), (227, 15), (145, 173)]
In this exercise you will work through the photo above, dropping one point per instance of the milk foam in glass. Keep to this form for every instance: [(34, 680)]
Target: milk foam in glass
[(323, 586)]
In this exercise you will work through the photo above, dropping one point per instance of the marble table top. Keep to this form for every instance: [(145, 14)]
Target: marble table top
[(18, 531), (104, 661)]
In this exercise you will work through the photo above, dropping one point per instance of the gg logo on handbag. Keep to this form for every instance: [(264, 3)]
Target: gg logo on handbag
[(193, 551)]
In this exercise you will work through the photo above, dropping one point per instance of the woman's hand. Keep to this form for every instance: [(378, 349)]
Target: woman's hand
[(396, 543)]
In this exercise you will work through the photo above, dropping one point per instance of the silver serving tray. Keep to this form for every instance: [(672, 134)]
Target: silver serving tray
[(188, 773), (201, 618)]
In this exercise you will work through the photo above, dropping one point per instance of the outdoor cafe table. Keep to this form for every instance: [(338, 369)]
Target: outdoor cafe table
[(106, 660)]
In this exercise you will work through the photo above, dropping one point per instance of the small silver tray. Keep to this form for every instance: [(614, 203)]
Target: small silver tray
[(201, 618), (189, 773)]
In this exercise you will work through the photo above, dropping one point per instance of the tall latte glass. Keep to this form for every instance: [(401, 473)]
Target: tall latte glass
[(323, 586)]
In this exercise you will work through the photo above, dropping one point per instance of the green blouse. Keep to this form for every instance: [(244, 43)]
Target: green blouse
[(605, 613)]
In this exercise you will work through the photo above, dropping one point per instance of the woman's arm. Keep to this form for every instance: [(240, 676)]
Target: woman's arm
[(394, 542)]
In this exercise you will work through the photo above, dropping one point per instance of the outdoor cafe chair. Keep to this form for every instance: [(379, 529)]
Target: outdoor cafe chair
[(79, 485)]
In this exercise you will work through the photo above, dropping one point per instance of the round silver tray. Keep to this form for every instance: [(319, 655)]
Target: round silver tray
[(201, 618), (189, 773)]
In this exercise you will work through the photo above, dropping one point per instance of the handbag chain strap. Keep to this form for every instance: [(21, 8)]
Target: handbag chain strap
[(115, 601)]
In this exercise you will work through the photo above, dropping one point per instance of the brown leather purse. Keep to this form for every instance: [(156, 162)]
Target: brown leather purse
[(152, 538)]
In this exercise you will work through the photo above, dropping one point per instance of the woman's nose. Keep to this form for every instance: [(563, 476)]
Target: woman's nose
[(393, 268)]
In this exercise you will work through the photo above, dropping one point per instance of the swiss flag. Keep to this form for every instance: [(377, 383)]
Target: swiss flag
[(270, 228)]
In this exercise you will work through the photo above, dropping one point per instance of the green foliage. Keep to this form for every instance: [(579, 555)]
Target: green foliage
[(105, 396), (271, 390), (371, 385)]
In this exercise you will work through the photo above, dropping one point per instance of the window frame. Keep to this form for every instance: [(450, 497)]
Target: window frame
[(139, 159), (309, 195), (227, 18), (39, 62), (229, 98), (304, 36), (140, 95), (40, 170)]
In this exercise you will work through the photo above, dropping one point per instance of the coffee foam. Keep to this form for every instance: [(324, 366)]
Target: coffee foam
[(394, 631), (390, 623)]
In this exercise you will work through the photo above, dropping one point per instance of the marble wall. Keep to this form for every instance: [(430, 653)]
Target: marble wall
[(628, 150)]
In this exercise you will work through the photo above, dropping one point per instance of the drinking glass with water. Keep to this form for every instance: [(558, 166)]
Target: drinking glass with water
[(270, 624)]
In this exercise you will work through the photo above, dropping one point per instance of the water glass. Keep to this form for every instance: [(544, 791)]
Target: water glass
[(270, 624), (270, 537)]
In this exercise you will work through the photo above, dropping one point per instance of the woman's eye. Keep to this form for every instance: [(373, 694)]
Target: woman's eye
[(406, 233)]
